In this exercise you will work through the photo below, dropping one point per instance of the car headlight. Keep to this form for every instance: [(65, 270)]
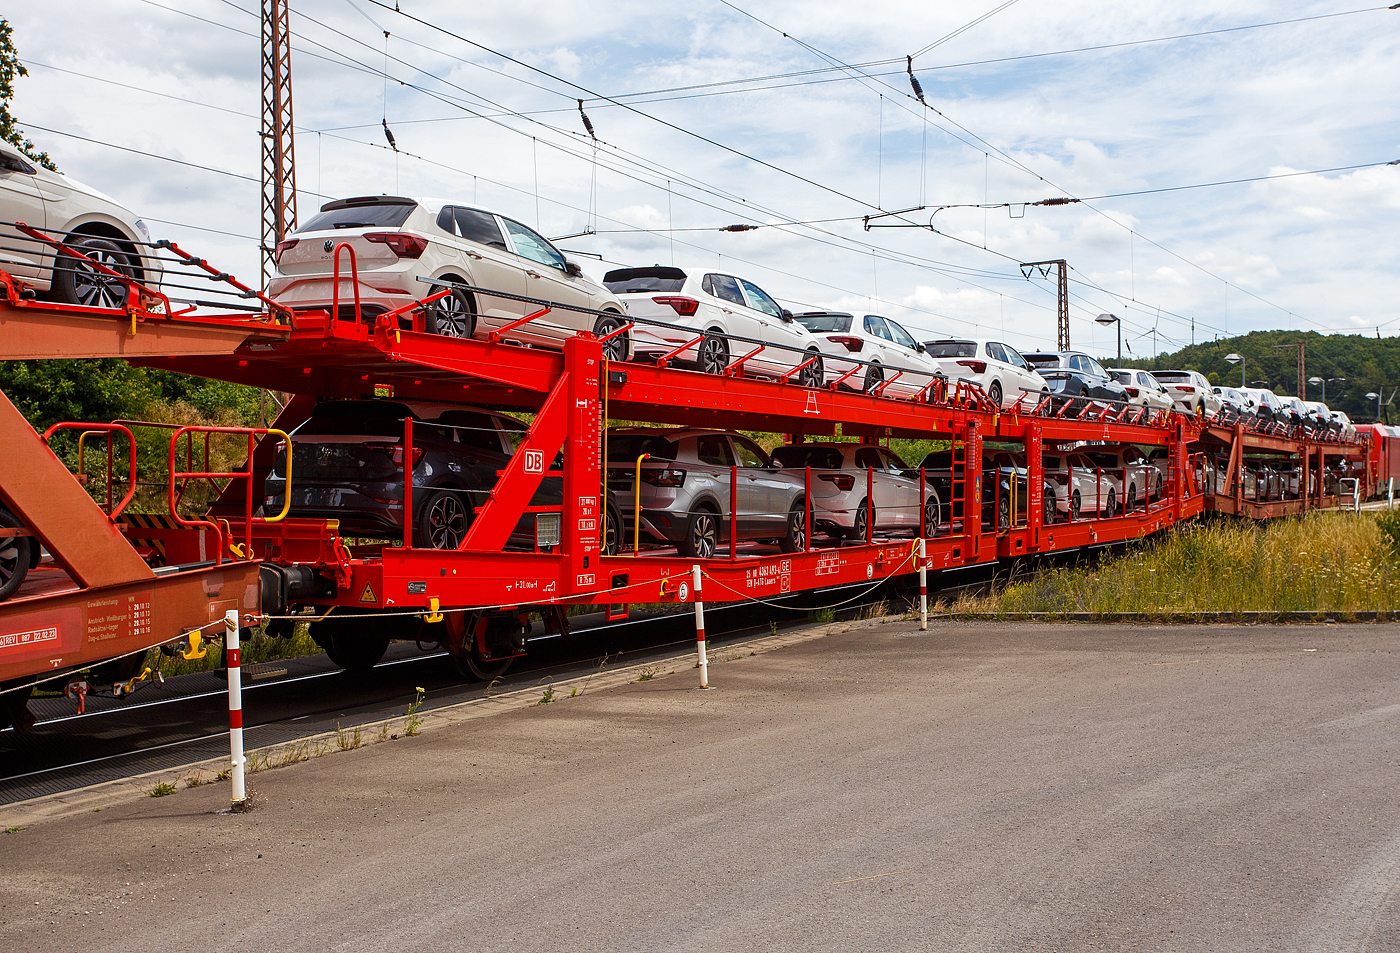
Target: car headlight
[(145, 232)]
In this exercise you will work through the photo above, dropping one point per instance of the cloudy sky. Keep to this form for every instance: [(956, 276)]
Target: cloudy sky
[(799, 117)]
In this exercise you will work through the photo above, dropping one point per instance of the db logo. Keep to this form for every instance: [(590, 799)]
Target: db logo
[(534, 461)]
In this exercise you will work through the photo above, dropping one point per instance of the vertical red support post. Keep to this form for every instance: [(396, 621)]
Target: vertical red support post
[(1098, 493), (733, 512), (583, 361), (923, 505), (972, 477), (1035, 484), (923, 586), (807, 510), (407, 482)]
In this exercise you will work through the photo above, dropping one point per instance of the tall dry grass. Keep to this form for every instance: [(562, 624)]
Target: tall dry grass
[(1320, 562)]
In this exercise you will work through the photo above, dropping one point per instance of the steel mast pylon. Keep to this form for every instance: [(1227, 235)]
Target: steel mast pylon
[(279, 182), (1062, 296)]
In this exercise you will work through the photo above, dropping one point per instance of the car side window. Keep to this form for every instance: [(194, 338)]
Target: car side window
[(901, 336), (9, 163), (1013, 356), (874, 324), (995, 352), (477, 226), (723, 287), (893, 462), (750, 455), (1094, 367), (446, 222), (714, 450), (867, 457), (1076, 362), (759, 300), (530, 245)]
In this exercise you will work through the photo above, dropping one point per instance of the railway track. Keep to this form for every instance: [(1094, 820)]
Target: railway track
[(186, 720)]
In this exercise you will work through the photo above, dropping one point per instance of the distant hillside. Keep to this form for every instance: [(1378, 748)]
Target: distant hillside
[(1367, 363)]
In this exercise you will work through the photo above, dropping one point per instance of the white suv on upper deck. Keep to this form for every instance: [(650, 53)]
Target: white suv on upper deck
[(399, 240)]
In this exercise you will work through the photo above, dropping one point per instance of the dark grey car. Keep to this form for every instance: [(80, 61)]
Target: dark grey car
[(1076, 376), (348, 465), (685, 489)]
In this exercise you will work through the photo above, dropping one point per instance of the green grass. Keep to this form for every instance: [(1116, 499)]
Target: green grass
[(1320, 562)]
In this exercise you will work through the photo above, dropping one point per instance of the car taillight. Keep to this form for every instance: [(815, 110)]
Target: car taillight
[(282, 246), (978, 367), (682, 306), (843, 481), (1132, 391), (400, 243), (851, 344), (663, 477), (1186, 388), (395, 452)]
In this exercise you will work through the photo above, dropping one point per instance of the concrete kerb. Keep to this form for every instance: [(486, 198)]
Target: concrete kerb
[(98, 796), (1169, 617)]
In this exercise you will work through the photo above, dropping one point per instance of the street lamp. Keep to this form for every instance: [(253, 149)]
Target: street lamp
[(1378, 403), (1323, 382), (1237, 359), (1107, 319)]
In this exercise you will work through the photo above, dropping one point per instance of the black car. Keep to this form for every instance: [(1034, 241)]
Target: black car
[(348, 465), (1076, 376), (1005, 489)]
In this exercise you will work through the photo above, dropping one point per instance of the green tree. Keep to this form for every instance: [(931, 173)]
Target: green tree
[(10, 69)]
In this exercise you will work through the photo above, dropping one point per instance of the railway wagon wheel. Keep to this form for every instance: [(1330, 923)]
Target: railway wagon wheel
[(15, 556), (504, 636)]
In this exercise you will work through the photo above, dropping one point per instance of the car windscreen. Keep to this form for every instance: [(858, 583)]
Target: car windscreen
[(951, 348), (818, 458), (1172, 376), (1106, 460), (1042, 360), (360, 216), (630, 280), (1051, 463), (1122, 377), (368, 417), (816, 323), (627, 447)]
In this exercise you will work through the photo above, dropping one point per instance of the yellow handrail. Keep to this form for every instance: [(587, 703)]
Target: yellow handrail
[(637, 507), (287, 486)]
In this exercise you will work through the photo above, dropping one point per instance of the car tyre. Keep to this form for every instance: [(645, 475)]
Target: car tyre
[(616, 348), (1112, 502), (441, 520), (863, 513), (1047, 515), (795, 541), (814, 374), (994, 393), (453, 316), (77, 282), (1130, 506), (874, 377), (714, 353), (1076, 502), (610, 533), (701, 535), (1003, 513), (16, 556), (933, 510)]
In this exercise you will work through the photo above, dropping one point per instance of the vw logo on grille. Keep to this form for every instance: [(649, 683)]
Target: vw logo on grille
[(324, 456), (328, 245)]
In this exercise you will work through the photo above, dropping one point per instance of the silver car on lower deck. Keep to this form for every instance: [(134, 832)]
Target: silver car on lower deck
[(685, 493)]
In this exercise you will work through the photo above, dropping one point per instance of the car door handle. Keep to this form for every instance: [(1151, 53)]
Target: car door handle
[(472, 254), (726, 311), (533, 274)]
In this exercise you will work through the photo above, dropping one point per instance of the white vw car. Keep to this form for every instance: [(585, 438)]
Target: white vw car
[(1143, 389), (1082, 485), (84, 219), (1190, 391), (730, 316), (891, 352), (843, 476), (399, 240), (999, 369)]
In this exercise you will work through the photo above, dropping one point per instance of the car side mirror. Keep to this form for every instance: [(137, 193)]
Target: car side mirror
[(787, 315), (572, 268), (920, 348)]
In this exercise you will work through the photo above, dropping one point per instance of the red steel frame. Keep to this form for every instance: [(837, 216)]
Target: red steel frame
[(323, 356)]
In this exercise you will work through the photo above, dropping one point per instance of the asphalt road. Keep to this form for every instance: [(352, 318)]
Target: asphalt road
[(974, 787)]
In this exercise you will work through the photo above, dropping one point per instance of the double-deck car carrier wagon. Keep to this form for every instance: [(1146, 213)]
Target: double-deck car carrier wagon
[(116, 583)]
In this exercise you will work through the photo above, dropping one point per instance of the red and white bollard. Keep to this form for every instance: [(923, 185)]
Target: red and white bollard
[(235, 708), (700, 628), (923, 587)]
